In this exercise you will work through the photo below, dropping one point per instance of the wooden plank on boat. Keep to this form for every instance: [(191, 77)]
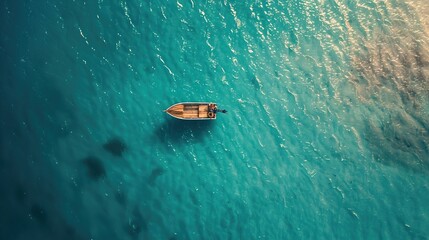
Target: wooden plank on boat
[(203, 111)]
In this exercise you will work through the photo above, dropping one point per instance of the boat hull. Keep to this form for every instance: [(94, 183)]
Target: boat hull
[(192, 111)]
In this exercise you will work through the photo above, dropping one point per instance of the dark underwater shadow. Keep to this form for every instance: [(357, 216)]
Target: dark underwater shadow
[(95, 167), (115, 146), (181, 131), (399, 144)]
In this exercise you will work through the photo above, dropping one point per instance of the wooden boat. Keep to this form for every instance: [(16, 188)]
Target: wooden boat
[(194, 111)]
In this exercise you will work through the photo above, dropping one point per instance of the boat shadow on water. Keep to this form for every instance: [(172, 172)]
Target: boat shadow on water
[(183, 131)]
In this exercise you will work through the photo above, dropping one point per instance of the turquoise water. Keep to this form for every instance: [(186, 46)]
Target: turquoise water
[(326, 135)]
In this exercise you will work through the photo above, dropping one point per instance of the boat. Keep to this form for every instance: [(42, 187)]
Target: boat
[(194, 111)]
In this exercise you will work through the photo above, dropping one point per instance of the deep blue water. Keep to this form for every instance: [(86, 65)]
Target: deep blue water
[(326, 135)]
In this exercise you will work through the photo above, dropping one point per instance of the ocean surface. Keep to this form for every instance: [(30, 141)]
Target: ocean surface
[(326, 135)]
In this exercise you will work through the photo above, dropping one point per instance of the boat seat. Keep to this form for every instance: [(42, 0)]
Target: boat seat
[(203, 110), (191, 107)]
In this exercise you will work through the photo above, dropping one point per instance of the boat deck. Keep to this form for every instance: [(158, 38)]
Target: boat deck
[(190, 111)]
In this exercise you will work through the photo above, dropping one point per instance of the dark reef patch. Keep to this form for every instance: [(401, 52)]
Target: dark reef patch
[(136, 224), (95, 167), (390, 75), (115, 146), (39, 213), (399, 142), (120, 197), (156, 172)]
